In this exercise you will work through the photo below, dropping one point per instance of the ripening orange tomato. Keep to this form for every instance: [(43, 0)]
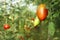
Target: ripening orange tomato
[(42, 12)]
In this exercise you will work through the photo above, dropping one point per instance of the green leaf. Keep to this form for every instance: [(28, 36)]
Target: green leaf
[(51, 28)]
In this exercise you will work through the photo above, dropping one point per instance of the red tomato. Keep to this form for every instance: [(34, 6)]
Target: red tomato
[(6, 26), (42, 12)]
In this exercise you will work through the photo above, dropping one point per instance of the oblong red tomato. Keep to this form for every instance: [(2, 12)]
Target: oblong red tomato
[(42, 12)]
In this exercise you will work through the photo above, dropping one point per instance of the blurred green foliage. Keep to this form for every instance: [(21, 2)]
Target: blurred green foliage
[(18, 14)]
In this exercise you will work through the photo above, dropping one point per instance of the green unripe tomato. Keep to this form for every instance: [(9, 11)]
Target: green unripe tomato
[(36, 21)]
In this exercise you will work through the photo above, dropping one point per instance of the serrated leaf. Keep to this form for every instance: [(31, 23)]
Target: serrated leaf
[(51, 28)]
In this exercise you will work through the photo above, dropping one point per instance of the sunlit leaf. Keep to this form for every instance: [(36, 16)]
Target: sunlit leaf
[(51, 28)]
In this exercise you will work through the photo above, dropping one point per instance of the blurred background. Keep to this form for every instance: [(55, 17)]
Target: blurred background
[(20, 15)]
